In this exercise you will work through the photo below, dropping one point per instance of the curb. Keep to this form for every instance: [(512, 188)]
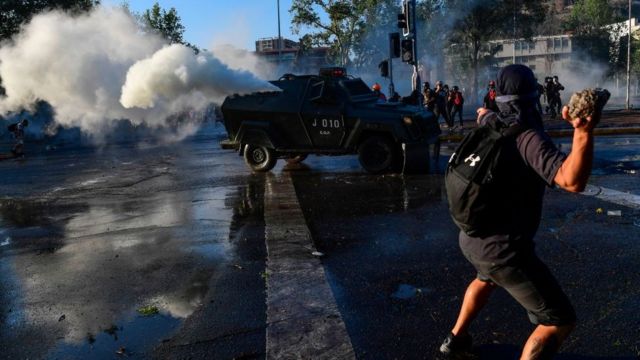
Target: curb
[(560, 133)]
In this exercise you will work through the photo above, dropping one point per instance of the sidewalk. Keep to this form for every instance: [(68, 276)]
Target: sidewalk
[(614, 122)]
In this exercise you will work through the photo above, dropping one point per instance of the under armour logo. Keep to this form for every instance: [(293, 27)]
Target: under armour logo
[(472, 159)]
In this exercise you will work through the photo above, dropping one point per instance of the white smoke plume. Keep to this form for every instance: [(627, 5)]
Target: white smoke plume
[(99, 68), (175, 73)]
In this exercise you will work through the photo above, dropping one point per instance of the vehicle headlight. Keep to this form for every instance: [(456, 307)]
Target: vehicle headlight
[(407, 120)]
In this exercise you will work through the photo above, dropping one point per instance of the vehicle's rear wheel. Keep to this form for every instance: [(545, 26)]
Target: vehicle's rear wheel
[(296, 159), (259, 158), (377, 154)]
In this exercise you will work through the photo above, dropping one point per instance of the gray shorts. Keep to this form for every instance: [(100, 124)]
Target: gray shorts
[(529, 281)]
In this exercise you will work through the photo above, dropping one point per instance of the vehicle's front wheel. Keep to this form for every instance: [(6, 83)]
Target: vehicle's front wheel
[(377, 154), (259, 158)]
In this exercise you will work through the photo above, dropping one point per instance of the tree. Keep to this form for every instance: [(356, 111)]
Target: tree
[(490, 19), (372, 44), (165, 23), (591, 22), (14, 13), (346, 23)]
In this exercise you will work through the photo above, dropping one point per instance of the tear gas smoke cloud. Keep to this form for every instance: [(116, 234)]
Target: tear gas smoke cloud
[(100, 67), (175, 72), (240, 59)]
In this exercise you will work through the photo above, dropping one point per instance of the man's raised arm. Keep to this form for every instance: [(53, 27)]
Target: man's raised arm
[(575, 170)]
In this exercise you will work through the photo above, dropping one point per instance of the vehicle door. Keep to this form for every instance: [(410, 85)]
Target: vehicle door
[(322, 114)]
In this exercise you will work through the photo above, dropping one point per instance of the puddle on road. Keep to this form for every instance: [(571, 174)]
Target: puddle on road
[(111, 257), (128, 341), (406, 292)]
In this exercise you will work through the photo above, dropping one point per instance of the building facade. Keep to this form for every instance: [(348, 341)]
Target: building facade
[(543, 54), (290, 56)]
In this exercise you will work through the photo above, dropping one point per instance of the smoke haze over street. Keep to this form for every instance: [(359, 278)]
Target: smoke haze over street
[(100, 67)]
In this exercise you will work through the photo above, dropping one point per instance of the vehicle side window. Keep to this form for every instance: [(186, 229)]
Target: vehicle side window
[(324, 92), (315, 93)]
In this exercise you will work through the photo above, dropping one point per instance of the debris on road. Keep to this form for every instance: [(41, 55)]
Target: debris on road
[(62, 317), (317, 254), (148, 310)]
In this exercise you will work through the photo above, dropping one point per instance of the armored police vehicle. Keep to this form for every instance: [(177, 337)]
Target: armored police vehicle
[(329, 114)]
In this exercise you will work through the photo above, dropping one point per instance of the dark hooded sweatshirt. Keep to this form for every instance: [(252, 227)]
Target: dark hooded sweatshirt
[(533, 162)]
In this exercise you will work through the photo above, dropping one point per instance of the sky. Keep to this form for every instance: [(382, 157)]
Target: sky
[(213, 22)]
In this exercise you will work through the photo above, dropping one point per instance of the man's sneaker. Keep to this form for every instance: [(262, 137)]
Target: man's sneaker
[(457, 347)]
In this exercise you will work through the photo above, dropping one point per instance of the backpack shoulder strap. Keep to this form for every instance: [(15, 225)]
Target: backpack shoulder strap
[(514, 130), (506, 127)]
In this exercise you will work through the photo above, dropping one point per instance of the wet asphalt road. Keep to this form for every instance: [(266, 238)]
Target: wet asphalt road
[(90, 236)]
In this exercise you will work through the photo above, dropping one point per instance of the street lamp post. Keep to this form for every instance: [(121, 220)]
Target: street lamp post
[(279, 37), (629, 59), (514, 31)]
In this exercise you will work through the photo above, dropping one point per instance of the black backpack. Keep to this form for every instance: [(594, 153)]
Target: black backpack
[(12, 127), (475, 177)]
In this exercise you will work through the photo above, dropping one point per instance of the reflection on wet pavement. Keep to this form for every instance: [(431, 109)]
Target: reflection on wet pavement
[(80, 261)]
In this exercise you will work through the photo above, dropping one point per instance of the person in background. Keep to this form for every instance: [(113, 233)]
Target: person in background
[(549, 90), (440, 108), (449, 105), (490, 97), (18, 133), (429, 97), (557, 87), (377, 89), (457, 104)]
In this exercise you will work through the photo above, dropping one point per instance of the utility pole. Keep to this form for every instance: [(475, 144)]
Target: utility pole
[(414, 35), (409, 42), (629, 59), (392, 49), (279, 37), (514, 31)]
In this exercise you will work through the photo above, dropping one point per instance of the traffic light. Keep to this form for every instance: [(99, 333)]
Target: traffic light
[(404, 18), (394, 45), (407, 50), (384, 68), (402, 22)]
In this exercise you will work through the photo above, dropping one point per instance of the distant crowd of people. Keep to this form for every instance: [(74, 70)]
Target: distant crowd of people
[(448, 102)]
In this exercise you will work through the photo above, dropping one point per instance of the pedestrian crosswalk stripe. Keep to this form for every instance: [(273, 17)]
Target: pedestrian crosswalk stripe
[(613, 196), (303, 321)]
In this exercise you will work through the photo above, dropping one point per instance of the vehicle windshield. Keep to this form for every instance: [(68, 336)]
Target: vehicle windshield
[(356, 87)]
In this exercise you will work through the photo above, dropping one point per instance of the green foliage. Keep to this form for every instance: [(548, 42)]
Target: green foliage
[(166, 24), (588, 17), (590, 21), (148, 310), (15, 13), (373, 44), (490, 19), (346, 23)]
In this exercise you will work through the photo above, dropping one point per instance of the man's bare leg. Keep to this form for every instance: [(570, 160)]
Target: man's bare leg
[(475, 298), (545, 341)]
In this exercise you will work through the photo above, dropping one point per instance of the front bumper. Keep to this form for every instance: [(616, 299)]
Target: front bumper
[(229, 145)]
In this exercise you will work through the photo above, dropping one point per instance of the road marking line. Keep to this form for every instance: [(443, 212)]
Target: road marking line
[(302, 315), (613, 196)]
